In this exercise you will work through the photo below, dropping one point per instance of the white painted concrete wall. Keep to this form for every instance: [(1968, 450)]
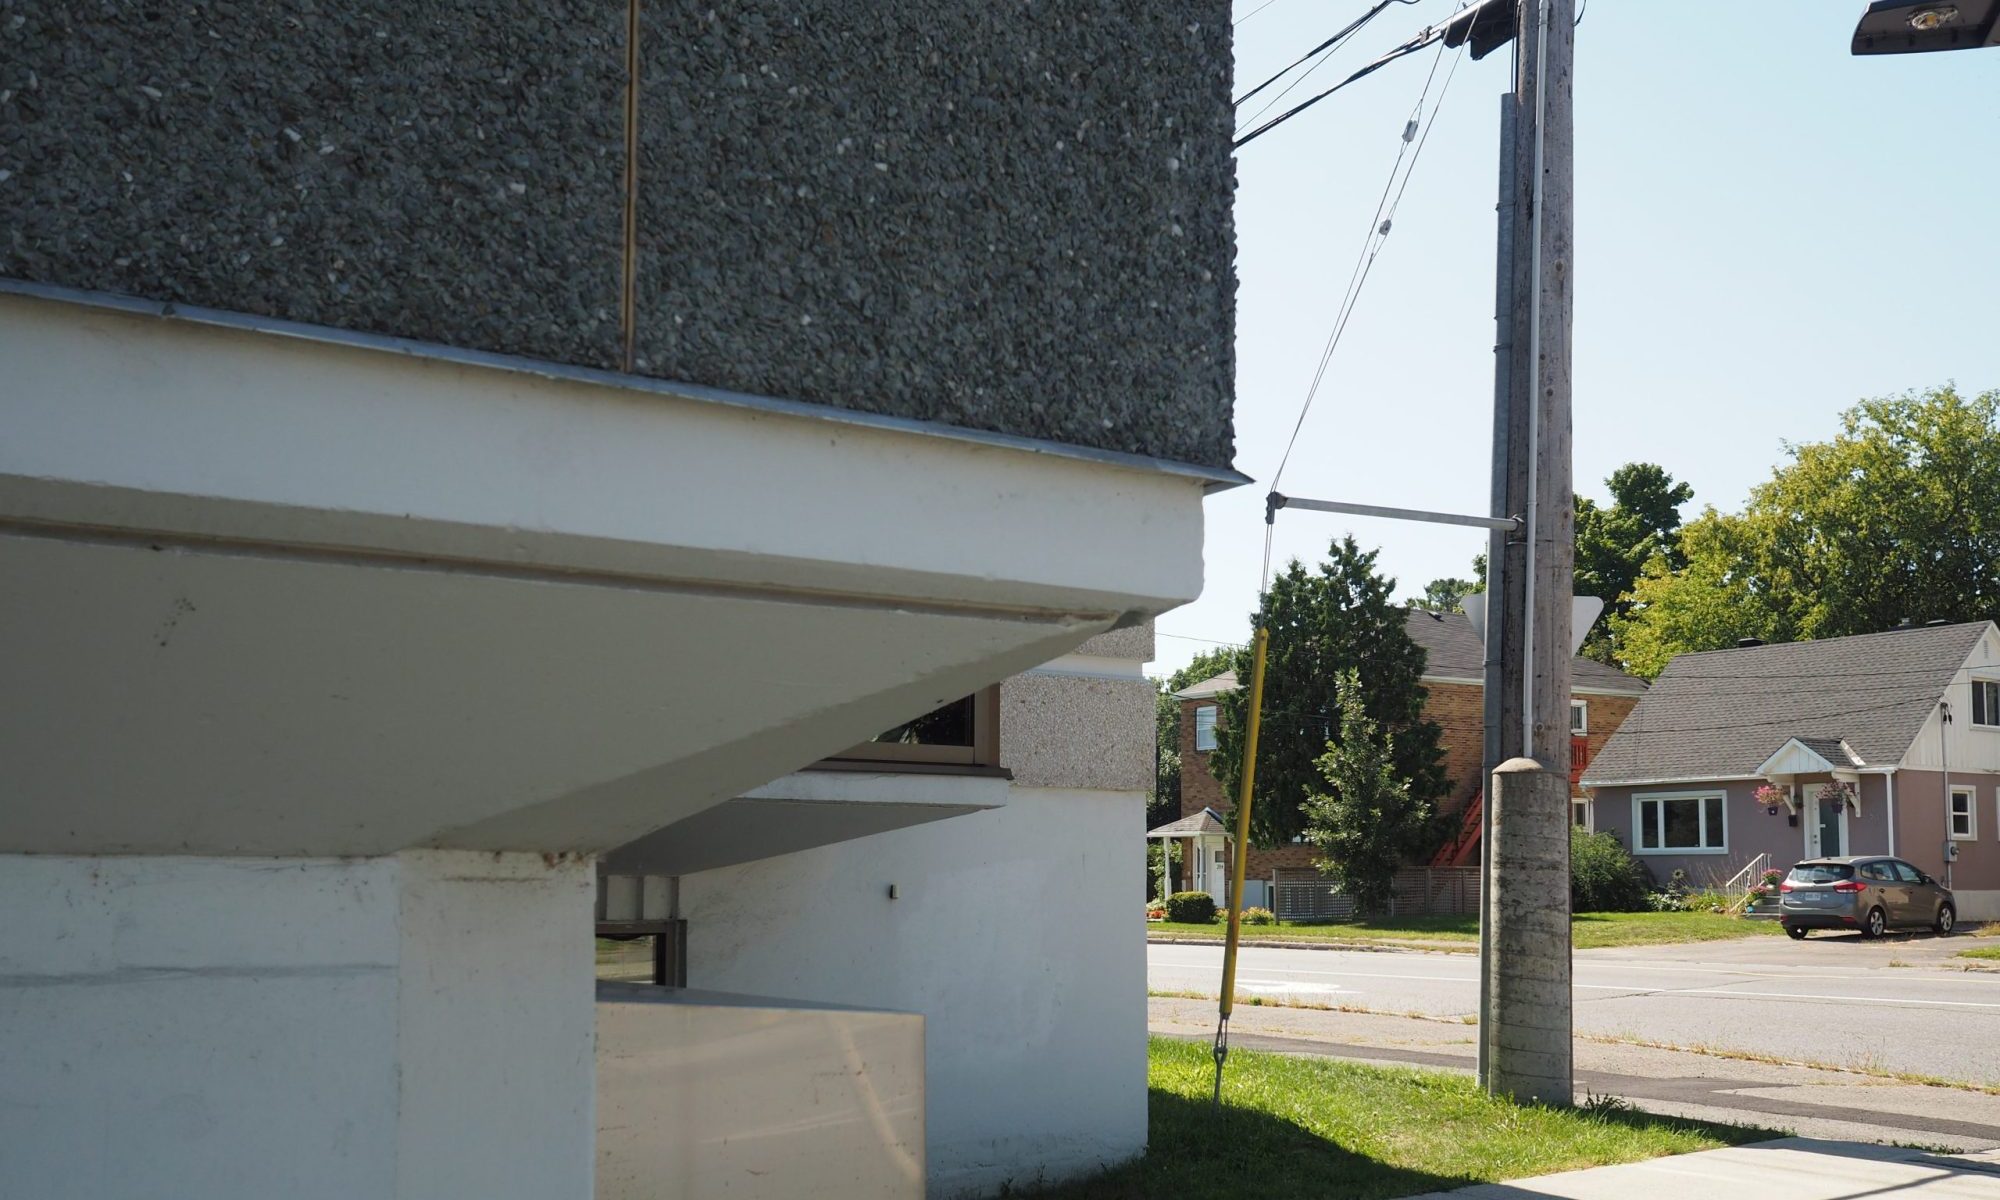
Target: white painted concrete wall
[(410, 1026), (1015, 937), (707, 1094)]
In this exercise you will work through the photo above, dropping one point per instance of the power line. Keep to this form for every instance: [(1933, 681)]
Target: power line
[(1364, 263), (1187, 637), (1352, 28), (1253, 12), (1252, 119), (1627, 729), (1407, 48)]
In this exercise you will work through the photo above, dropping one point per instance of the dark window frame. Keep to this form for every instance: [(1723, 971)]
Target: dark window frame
[(1986, 703), (983, 753)]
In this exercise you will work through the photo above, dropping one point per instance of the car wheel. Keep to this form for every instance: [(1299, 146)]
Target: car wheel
[(1876, 925), (1795, 932), (1947, 920)]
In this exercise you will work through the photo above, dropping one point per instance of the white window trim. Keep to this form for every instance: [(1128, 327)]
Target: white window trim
[(1639, 800), (1575, 729), (1213, 713), (1971, 795), (1991, 725)]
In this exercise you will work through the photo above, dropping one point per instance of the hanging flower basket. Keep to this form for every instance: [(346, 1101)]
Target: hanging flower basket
[(1772, 797), (1834, 791)]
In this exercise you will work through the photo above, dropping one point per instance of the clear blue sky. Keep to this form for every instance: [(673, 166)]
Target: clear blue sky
[(1767, 229)]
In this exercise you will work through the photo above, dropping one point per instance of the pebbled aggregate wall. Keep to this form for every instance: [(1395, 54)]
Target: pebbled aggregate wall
[(447, 170), (1008, 216)]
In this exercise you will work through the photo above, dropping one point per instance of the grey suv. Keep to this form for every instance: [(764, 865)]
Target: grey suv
[(1867, 892)]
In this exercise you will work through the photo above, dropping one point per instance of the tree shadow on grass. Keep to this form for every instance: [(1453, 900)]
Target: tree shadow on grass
[(1196, 1153)]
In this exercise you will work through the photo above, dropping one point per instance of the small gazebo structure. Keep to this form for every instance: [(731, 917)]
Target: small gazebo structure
[(1206, 853)]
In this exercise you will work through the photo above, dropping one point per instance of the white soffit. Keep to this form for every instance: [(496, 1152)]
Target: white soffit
[(267, 596)]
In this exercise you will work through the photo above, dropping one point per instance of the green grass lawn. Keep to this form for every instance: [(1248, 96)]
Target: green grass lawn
[(1990, 952), (1587, 930), (1308, 1127)]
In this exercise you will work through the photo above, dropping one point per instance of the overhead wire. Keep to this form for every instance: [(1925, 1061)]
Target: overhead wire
[(1253, 12), (1407, 48), (1273, 102), (1364, 262), (1348, 31)]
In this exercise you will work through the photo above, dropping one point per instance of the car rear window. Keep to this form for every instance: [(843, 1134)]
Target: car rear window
[(1821, 873)]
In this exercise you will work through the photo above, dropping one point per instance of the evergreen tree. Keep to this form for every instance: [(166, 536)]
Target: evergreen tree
[(1365, 820), (1321, 622)]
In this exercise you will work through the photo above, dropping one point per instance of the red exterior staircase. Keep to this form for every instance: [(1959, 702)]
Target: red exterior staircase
[(1462, 849)]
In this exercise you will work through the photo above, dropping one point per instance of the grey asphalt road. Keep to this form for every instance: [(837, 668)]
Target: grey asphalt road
[(1892, 1005)]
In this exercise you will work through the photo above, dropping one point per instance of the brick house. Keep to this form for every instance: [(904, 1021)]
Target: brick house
[(1601, 698)]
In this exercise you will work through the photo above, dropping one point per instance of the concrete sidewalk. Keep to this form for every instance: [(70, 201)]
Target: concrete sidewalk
[(1809, 1101), (1793, 1169)]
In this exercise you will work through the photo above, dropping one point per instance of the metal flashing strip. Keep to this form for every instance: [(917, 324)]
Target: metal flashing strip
[(1214, 479)]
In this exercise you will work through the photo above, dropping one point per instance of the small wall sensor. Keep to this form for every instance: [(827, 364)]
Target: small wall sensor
[(895, 893)]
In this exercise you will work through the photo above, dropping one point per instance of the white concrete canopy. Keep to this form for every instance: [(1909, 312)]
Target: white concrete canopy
[(276, 597)]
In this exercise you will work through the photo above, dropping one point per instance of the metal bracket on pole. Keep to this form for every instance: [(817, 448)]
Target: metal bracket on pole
[(1276, 501)]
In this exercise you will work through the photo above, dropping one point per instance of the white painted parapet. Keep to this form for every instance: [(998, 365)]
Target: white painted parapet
[(411, 1026)]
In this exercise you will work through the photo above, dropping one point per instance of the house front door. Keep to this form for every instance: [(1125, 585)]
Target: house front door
[(1832, 828)]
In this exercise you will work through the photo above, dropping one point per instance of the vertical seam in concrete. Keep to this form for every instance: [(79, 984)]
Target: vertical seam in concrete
[(628, 300), (399, 870)]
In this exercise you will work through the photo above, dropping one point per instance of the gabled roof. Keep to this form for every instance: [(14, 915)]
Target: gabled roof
[(1453, 653), (1721, 714), (1209, 688), (1205, 821), (1810, 756)]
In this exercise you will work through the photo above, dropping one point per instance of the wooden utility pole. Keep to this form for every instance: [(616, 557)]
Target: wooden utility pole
[(1525, 996)]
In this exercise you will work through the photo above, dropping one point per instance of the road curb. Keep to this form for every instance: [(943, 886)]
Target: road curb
[(1369, 944)]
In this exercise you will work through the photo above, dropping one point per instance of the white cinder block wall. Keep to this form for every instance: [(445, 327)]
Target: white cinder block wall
[(1014, 936)]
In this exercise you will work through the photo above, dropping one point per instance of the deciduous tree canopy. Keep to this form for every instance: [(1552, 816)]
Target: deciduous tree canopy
[(1897, 517)]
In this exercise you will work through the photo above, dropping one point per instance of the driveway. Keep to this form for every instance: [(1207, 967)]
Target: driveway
[(1893, 1005)]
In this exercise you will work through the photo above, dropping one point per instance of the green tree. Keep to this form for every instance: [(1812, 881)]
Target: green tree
[(1165, 803), (1897, 517), (1366, 818), (1443, 595), (1321, 622), (1615, 542), (1707, 604)]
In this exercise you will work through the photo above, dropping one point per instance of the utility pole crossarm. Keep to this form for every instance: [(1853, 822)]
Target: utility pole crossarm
[(1276, 501)]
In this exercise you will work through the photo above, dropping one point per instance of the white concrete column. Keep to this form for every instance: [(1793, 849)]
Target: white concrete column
[(412, 1026)]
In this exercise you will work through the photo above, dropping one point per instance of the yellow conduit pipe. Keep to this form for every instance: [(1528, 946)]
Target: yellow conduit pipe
[(1252, 727)]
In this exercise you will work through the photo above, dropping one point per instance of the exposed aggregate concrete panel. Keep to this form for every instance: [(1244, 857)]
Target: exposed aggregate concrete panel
[(446, 170), (1010, 216)]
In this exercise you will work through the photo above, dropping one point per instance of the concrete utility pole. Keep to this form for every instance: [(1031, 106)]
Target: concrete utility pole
[(1525, 997)]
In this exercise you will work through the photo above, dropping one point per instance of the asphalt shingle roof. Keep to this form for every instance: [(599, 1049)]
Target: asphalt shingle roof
[(1720, 714), (1204, 821), (1453, 651)]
